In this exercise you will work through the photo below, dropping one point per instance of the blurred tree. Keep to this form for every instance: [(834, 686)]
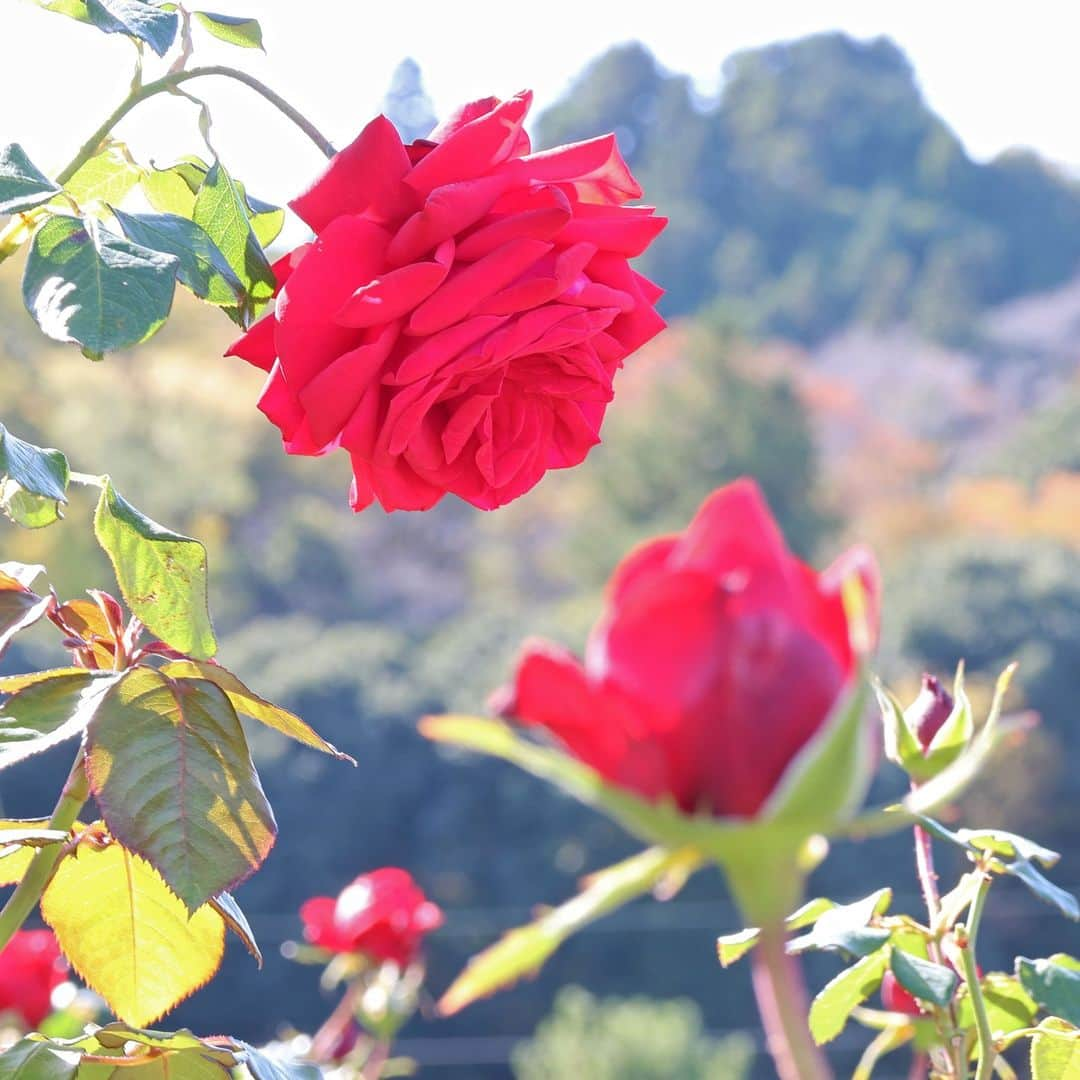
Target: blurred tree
[(636, 1038)]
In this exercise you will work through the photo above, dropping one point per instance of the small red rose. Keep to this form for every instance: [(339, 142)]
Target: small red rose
[(896, 999), (717, 657), (457, 323), (383, 914), (31, 968), (929, 711)]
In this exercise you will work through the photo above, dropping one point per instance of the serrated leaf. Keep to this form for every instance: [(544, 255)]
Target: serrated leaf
[(32, 1060), (236, 30), (169, 766), (1008, 1005), (75, 9), (923, 978), (107, 177), (847, 928), (203, 268), (114, 1036), (161, 574), (143, 20), (266, 219), (831, 1008), (46, 713), (1053, 984), (15, 857), (221, 210), (523, 951), (172, 190), (12, 684), (19, 608), (732, 947), (1055, 1051), (263, 1066), (250, 704), (127, 935), (86, 285), (22, 184), (227, 907)]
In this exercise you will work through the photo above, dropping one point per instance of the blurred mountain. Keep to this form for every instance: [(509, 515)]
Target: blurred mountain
[(820, 190)]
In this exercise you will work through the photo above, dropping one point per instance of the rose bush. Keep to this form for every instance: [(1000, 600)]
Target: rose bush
[(31, 968), (458, 321), (384, 915), (718, 656)]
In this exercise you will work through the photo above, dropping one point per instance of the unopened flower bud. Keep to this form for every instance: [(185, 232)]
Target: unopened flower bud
[(926, 714)]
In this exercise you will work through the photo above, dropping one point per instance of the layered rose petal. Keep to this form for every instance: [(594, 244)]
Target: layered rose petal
[(458, 320), (719, 655)]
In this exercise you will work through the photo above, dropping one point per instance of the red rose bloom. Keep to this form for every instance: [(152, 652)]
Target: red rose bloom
[(31, 968), (716, 659), (459, 318), (383, 914)]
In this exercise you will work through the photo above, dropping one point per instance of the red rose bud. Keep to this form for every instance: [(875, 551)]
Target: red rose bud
[(383, 914), (896, 999), (458, 321), (719, 655), (929, 711), (31, 968)]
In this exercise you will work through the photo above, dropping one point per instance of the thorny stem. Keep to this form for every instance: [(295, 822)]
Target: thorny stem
[(28, 892), (987, 1052), (782, 1001)]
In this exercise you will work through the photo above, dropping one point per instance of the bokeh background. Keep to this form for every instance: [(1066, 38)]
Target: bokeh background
[(874, 302)]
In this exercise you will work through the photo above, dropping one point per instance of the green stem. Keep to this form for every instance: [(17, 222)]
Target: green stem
[(987, 1051), (28, 892), (783, 1004), (170, 82)]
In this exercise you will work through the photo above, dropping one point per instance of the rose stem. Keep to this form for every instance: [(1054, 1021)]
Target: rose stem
[(783, 1004)]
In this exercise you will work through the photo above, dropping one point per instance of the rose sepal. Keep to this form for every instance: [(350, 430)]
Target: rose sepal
[(765, 858)]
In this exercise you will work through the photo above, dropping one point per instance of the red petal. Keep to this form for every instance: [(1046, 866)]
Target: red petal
[(594, 168), (257, 345)]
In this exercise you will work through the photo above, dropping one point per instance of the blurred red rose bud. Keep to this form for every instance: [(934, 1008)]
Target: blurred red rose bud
[(383, 914), (718, 657), (929, 711), (31, 968), (896, 999)]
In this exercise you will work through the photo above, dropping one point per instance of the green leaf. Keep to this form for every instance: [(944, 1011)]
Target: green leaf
[(834, 1004), (522, 952), (1008, 1005), (221, 210), (143, 20), (19, 608), (236, 30), (1044, 888), (202, 269), (266, 219), (161, 574), (235, 919), (22, 184), (114, 1036), (848, 928), (732, 947), (1054, 984), (107, 177), (172, 190), (169, 766), (923, 978), (263, 1066), (35, 469), (250, 704), (1055, 1051), (32, 1060), (33, 481), (86, 285), (75, 9), (46, 713), (127, 934), (18, 842)]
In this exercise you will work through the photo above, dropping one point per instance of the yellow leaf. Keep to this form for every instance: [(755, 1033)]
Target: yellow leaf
[(127, 935)]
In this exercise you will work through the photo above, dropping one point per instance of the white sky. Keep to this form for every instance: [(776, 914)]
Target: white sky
[(1001, 74)]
